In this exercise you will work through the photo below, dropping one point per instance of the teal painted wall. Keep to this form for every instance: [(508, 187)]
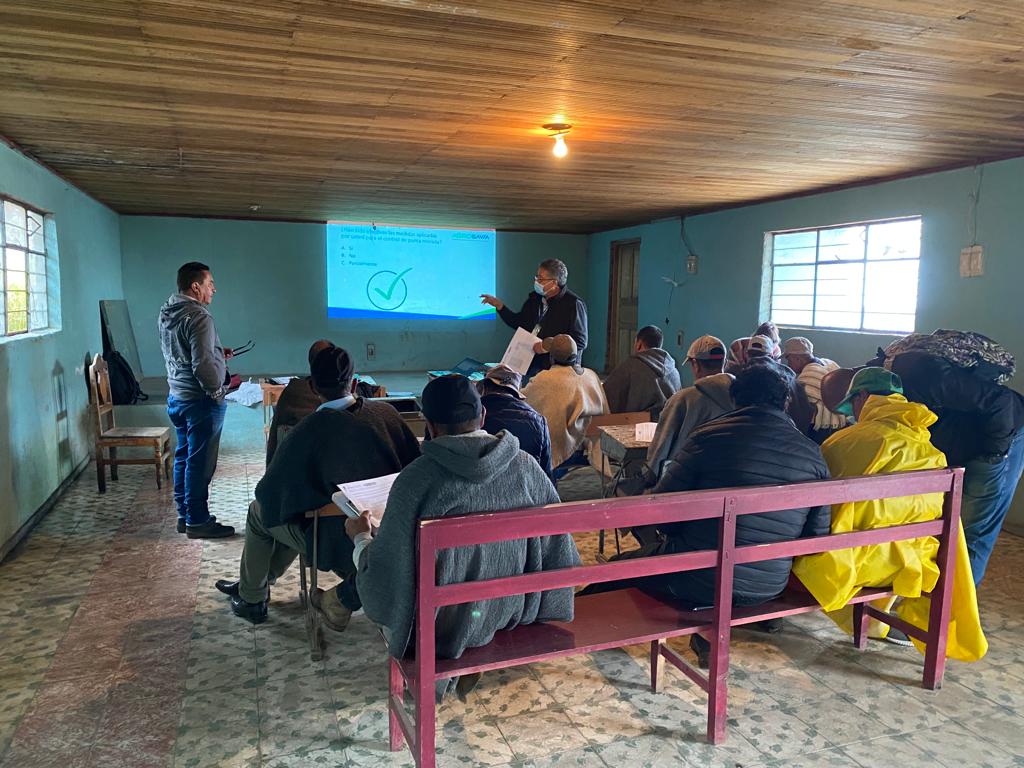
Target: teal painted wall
[(723, 298), (271, 288), (40, 443)]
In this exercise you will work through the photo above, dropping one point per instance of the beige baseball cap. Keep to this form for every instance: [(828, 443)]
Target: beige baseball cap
[(562, 348), (798, 345), (706, 348)]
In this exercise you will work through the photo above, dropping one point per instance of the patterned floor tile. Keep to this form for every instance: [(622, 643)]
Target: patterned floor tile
[(97, 671), (297, 716), (535, 734)]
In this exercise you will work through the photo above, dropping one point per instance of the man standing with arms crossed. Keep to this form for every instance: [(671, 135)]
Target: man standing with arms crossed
[(196, 372)]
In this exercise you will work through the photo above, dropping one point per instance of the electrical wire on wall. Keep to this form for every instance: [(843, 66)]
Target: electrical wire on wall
[(974, 197), (692, 262)]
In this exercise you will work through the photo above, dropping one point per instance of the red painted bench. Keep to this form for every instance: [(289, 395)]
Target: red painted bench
[(629, 617)]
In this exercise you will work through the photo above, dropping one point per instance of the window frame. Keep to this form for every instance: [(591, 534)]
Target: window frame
[(768, 283), (29, 252)]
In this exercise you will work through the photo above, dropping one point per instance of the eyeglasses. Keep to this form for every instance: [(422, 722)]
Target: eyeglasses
[(540, 279)]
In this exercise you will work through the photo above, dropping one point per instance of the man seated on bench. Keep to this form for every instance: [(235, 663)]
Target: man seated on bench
[(508, 410), (346, 439), (757, 444), (463, 469), (568, 396), (297, 401), (890, 435), (688, 408)]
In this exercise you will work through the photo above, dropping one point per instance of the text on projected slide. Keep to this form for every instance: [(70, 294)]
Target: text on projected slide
[(408, 272)]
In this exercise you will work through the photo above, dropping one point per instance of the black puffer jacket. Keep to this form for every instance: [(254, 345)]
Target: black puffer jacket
[(749, 446), (977, 417)]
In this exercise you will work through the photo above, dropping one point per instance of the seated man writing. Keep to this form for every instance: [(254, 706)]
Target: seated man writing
[(297, 401), (890, 435), (507, 409), (463, 469), (344, 440)]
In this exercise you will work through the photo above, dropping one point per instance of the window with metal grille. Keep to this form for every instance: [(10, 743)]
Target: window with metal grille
[(24, 303), (860, 277)]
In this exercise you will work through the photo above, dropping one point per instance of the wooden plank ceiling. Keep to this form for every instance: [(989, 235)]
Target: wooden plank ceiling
[(423, 111)]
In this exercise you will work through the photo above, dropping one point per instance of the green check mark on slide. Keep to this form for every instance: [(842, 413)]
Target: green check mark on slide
[(391, 288)]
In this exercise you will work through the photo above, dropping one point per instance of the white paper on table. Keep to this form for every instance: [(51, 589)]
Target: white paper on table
[(644, 431), (519, 353), (281, 379), (365, 496)]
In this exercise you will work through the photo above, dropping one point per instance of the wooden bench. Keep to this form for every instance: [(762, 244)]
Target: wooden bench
[(110, 437), (629, 617)]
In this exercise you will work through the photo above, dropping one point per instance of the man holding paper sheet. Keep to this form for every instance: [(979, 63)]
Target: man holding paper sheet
[(463, 469), (346, 439), (551, 309)]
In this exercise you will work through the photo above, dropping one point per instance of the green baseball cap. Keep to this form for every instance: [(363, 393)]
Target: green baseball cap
[(877, 381)]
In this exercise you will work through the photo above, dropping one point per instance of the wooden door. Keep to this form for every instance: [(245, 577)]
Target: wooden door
[(622, 301)]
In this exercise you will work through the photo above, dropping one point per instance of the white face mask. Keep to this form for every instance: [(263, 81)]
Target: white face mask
[(538, 288)]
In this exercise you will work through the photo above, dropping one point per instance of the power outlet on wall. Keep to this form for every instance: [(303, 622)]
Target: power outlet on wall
[(679, 339), (371, 352)]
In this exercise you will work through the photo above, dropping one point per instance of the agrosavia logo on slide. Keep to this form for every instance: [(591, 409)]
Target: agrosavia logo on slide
[(387, 289)]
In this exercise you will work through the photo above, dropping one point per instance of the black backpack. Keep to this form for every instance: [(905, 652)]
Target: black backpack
[(124, 387)]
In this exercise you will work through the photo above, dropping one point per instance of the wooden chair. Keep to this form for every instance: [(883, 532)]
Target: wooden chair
[(271, 394), (110, 437)]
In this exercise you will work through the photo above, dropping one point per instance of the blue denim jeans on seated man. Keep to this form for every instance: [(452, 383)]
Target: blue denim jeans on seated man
[(198, 424), (988, 491)]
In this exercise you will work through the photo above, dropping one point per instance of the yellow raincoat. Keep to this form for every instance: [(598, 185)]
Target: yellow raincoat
[(891, 436)]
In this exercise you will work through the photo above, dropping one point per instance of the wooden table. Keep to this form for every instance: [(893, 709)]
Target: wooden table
[(621, 449)]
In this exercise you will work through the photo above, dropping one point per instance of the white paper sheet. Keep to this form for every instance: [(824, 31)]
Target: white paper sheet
[(365, 496), (519, 353), (644, 432)]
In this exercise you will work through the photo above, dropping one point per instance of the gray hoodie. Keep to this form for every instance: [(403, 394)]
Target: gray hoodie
[(686, 410), (192, 351), (643, 382), (457, 475)]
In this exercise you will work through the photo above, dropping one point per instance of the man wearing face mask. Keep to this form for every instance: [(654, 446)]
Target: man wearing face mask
[(551, 309)]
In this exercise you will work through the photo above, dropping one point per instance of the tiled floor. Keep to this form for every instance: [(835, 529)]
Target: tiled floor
[(115, 650)]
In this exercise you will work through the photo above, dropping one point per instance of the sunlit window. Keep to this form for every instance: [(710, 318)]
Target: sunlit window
[(24, 301), (860, 277)]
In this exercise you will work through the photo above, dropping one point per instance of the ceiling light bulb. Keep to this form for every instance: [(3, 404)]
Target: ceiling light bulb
[(560, 149)]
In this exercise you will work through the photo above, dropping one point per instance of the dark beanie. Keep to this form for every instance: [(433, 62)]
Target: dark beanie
[(451, 399), (331, 368)]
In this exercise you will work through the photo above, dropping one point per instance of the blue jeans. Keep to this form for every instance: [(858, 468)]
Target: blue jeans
[(198, 424), (988, 491)]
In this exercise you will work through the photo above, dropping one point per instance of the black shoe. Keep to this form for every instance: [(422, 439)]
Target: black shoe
[(182, 527), (771, 626), (209, 530), (702, 648), (254, 612), (229, 588), (896, 637), (465, 684)]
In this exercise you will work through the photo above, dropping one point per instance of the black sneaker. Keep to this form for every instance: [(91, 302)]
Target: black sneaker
[(209, 530), (771, 626), (182, 527), (896, 637), (254, 612)]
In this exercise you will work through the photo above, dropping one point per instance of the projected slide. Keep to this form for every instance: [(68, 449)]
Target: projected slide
[(408, 272)]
